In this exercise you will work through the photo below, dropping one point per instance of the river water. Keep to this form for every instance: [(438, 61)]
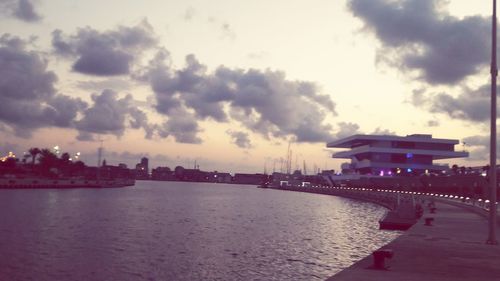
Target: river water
[(182, 231)]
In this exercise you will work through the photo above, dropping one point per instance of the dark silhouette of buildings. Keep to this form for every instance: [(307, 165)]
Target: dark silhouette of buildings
[(162, 174), (240, 178), (142, 169)]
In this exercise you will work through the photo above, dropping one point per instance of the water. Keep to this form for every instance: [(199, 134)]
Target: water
[(182, 231)]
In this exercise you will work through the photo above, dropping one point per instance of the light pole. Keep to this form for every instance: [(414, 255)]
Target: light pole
[(493, 132)]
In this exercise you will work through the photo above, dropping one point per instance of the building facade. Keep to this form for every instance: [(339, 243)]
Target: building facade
[(142, 169), (383, 155)]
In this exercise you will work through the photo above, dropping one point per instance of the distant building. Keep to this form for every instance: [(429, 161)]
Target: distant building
[(114, 172), (296, 179), (241, 178), (219, 177), (384, 155), (162, 174), (183, 174), (142, 169)]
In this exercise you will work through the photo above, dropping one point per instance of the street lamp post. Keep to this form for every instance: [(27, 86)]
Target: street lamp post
[(493, 131)]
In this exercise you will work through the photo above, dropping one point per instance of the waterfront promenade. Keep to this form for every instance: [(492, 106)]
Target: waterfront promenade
[(453, 248)]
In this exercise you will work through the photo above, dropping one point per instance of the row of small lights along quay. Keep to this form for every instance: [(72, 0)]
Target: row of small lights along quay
[(448, 196)]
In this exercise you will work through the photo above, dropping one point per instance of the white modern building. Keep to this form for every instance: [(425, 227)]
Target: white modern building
[(383, 155)]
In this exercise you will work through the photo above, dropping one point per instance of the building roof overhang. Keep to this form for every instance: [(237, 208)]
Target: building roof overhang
[(436, 154), (356, 140)]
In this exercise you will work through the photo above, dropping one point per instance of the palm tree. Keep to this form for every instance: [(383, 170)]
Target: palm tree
[(34, 151), (65, 158), (48, 160), (64, 163)]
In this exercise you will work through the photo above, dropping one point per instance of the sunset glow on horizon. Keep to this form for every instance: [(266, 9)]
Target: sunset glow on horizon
[(231, 84)]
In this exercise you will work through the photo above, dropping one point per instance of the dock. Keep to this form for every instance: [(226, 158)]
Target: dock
[(442, 246)]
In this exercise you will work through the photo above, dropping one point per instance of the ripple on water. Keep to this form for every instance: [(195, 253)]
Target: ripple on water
[(183, 231)]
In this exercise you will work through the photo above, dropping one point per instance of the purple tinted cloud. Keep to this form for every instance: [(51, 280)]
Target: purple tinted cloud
[(28, 99), (264, 102), (470, 105), (111, 114), (21, 9), (106, 53), (418, 35), (240, 139)]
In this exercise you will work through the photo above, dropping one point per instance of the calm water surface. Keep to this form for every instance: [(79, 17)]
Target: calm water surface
[(182, 231)]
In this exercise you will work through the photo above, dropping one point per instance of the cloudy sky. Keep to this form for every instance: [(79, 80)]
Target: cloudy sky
[(230, 84)]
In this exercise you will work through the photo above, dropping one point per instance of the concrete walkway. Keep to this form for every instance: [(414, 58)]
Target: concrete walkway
[(452, 249)]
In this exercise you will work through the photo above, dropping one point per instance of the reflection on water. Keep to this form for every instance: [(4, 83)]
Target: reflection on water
[(182, 231)]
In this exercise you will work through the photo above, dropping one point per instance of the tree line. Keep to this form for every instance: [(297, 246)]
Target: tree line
[(43, 162)]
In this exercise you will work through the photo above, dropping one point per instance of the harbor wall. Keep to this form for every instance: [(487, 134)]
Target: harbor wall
[(385, 199), (11, 183)]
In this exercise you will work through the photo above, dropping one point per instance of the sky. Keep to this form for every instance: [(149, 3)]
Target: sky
[(231, 85)]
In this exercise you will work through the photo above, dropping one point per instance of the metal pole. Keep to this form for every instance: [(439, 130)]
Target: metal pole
[(493, 131)]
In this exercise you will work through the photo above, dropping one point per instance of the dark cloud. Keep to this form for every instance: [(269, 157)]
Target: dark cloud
[(105, 53), (26, 11), (28, 99), (85, 136), (267, 103), (21, 9), (263, 101), (61, 45), (479, 147), (63, 110), (158, 75), (182, 126), (140, 120), (103, 62), (24, 73), (107, 115), (477, 141), (241, 139), (115, 83), (469, 105), (110, 114), (346, 129), (420, 35)]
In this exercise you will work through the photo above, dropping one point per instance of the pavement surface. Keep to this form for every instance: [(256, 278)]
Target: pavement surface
[(453, 248)]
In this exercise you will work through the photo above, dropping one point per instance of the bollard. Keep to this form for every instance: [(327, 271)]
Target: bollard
[(379, 257), (428, 221)]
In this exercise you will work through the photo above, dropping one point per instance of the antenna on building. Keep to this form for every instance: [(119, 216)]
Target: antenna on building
[(99, 157), (305, 170), (288, 156), (296, 161), (99, 153)]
